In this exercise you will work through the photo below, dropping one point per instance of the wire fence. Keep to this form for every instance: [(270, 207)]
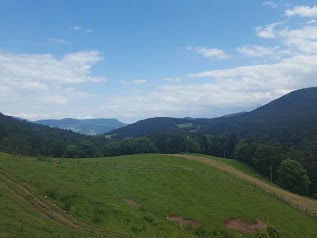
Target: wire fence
[(164, 169), (238, 182)]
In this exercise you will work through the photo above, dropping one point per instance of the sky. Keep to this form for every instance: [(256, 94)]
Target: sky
[(133, 60)]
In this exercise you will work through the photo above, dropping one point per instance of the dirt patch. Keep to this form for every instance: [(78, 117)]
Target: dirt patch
[(183, 221), (240, 225), (132, 203)]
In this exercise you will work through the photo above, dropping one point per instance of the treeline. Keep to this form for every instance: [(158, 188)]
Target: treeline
[(290, 169), (268, 159), (38, 139)]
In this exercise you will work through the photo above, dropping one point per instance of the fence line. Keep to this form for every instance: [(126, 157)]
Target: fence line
[(178, 169), (162, 169)]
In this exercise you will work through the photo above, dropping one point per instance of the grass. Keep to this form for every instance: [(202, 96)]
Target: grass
[(92, 190), (237, 165), (306, 204), (185, 125), (18, 220)]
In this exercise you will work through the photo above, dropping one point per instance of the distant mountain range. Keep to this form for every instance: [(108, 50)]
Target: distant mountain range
[(290, 121), (86, 126)]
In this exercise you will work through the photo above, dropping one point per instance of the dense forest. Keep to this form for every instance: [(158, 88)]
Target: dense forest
[(30, 138), (279, 139)]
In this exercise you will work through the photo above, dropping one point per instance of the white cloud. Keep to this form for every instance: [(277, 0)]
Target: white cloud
[(302, 40), (313, 21), (212, 53), (257, 51), (81, 29), (140, 81), (289, 74), (270, 4), (267, 31), (302, 11), (34, 81), (71, 69)]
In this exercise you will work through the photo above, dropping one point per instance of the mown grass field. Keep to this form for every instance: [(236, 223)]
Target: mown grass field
[(94, 192)]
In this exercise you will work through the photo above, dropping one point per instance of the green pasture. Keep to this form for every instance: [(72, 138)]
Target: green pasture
[(94, 190)]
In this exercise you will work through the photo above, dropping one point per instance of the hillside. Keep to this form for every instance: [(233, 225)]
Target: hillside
[(140, 196), (86, 126), (151, 125), (31, 138), (290, 121)]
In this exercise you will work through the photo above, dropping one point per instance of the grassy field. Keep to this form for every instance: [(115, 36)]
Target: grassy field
[(132, 196)]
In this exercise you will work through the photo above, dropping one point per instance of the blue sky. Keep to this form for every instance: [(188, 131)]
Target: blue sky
[(133, 60)]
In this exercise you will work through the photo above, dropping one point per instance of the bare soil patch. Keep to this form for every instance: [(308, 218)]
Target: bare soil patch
[(132, 203), (183, 221), (241, 225)]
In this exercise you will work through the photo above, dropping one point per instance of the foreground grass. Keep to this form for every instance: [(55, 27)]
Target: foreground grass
[(18, 220), (92, 190), (303, 203)]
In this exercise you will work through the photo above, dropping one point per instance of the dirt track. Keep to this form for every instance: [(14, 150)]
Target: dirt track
[(305, 204), (47, 209)]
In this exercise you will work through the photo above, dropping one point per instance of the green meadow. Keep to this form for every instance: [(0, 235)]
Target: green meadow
[(96, 191)]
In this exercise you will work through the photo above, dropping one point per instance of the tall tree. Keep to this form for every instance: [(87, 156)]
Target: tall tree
[(293, 177)]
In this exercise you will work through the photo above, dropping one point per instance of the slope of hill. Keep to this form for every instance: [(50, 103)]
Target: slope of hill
[(30, 137), (151, 125), (142, 196), (290, 121), (86, 127)]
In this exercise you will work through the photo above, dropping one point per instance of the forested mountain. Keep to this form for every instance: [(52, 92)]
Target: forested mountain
[(33, 138), (290, 121), (86, 126), (149, 126)]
